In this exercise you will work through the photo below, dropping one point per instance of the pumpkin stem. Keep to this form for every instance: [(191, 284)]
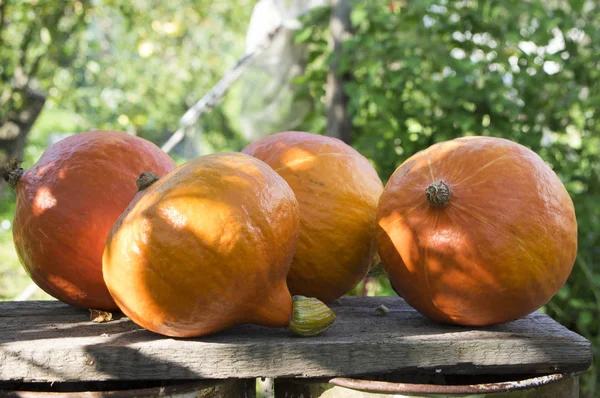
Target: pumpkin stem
[(11, 172), (310, 316), (146, 179), (438, 194)]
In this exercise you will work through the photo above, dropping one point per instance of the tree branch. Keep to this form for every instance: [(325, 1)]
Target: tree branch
[(36, 63), (52, 21), (339, 120), (63, 36), (27, 38), (2, 18), (3, 75), (35, 66)]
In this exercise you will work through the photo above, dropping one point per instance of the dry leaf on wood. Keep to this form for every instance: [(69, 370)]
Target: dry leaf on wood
[(99, 316)]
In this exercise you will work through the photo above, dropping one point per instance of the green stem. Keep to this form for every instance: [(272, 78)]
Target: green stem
[(310, 317)]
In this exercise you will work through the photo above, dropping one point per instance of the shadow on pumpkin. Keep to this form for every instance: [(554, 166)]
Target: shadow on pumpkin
[(63, 226), (442, 287)]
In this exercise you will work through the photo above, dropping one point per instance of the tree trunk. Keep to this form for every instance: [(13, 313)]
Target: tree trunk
[(339, 121), (17, 124)]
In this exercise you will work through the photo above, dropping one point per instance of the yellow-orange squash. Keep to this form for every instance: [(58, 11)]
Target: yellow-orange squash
[(337, 190), (67, 203), (476, 231), (206, 247)]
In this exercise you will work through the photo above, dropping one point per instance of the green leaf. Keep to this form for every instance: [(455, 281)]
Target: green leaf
[(358, 15), (304, 35)]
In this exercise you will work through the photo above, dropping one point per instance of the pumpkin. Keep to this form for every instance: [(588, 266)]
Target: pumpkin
[(205, 248), (476, 231), (67, 203), (338, 191)]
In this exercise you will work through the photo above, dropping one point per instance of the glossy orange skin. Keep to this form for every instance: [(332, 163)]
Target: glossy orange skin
[(67, 203), (338, 190), (205, 248), (502, 247)]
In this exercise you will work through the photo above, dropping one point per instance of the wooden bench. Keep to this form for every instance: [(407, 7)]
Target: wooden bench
[(49, 346)]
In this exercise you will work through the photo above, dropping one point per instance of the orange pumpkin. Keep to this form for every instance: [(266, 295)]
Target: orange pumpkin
[(67, 203), (476, 231), (206, 247), (338, 190)]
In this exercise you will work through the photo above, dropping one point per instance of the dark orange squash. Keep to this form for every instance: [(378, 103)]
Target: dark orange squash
[(476, 231), (338, 190), (206, 247), (66, 204)]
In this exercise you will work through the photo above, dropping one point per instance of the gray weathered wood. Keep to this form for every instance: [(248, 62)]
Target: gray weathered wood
[(230, 388), (49, 341)]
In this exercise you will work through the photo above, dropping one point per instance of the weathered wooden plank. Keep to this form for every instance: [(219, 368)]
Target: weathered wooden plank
[(14, 309), (229, 388), (52, 342)]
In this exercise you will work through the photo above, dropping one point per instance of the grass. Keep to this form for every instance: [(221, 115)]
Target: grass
[(13, 278)]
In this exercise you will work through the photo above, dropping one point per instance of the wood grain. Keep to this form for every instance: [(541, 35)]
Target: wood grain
[(49, 341)]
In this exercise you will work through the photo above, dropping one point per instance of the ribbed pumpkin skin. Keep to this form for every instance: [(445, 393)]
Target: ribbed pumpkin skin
[(338, 190), (206, 247), (502, 247), (67, 203)]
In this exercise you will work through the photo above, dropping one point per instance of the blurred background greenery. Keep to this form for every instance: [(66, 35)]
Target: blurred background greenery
[(413, 73)]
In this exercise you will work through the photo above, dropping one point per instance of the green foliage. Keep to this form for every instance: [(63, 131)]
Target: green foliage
[(429, 71), (145, 64), (130, 66), (38, 42)]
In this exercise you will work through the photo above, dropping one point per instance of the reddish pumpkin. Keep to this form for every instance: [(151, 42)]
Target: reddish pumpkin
[(337, 190), (476, 231), (67, 203), (206, 247)]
